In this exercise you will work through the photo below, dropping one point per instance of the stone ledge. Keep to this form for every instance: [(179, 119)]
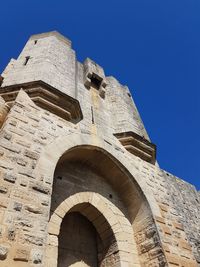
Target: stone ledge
[(138, 146), (46, 97)]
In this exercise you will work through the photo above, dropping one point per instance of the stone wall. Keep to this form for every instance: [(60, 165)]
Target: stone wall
[(155, 216), (53, 61)]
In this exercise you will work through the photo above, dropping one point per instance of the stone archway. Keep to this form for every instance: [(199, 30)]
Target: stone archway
[(138, 204), (113, 228), (55, 150)]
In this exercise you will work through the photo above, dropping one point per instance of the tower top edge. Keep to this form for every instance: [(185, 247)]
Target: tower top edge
[(59, 36)]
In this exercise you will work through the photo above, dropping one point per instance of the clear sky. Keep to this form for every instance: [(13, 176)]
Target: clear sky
[(153, 46)]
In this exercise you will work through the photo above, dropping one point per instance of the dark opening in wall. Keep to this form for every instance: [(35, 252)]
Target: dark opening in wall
[(92, 112), (96, 81), (35, 42), (1, 80), (26, 60)]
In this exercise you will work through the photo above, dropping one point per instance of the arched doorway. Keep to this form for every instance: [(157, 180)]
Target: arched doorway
[(111, 233), (89, 174), (86, 237), (79, 243)]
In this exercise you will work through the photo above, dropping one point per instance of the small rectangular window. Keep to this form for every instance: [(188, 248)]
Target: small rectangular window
[(96, 81)]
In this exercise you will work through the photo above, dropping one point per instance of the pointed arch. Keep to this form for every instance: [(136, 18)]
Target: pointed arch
[(92, 205), (120, 172)]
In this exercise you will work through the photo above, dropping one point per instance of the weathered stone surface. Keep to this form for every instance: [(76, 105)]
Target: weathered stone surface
[(21, 254), (31, 154), (24, 221), (37, 256), (10, 177), (4, 109), (33, 239), (17, 206), (75, 153), (41, 188), (3, 190), (11, 233), (33, 209), (3, 252)]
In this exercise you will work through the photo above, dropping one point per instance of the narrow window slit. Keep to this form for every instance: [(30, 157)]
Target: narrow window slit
[(92, 115), (35, 42), (26, 60)]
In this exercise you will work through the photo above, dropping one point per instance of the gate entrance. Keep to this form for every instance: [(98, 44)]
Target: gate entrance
[(78, 242)]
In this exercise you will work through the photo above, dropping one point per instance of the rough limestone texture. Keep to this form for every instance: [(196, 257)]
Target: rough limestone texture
[(79, 183)]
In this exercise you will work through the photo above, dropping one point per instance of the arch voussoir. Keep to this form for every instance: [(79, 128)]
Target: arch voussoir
[(107, 224), (56, 149), (111, 221)]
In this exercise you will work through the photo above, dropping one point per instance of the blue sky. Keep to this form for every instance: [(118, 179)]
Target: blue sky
[(151, 46)]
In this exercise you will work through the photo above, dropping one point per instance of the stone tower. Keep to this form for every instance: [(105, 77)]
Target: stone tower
[(80, 184)]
